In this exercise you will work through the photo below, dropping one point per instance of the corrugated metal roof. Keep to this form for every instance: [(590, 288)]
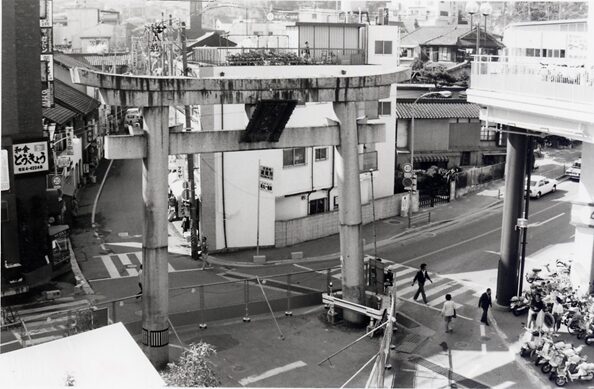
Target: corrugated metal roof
[(58, 114), (464, 37), (73, 99), (437, 110), (70, 61), (424, 34)]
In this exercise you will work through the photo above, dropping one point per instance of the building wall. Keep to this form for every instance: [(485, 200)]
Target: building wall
[(432, 134), (464, 136), (21, 121)]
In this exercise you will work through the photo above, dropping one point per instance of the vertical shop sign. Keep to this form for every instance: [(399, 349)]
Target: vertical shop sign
[(47, 53)]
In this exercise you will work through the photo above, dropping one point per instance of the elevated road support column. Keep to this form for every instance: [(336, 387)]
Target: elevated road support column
[(582, 217), (155, 298), (349, 210), (507, 272)]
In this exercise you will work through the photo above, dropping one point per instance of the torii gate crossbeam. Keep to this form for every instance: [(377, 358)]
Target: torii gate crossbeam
[(156, 94)]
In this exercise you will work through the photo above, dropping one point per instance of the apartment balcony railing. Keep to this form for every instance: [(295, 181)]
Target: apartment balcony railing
[(569, 82), (250, 56)]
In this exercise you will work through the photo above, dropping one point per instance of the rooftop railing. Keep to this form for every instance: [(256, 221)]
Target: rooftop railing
[(571, 82), (250, 56)]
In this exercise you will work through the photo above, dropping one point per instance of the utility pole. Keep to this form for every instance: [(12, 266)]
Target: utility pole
[(190, 157), (258, 213)]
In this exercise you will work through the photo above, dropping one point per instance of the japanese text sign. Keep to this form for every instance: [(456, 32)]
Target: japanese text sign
[(30, 157)]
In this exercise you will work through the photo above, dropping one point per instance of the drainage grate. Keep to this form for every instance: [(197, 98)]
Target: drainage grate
[(405, 321)]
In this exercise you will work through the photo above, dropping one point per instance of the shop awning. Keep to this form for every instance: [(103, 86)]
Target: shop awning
[(74, 99), (431, 158), (58, 114)]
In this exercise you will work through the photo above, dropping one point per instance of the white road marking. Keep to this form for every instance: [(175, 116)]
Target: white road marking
[(11, 342), (405, 271), (470, 239), (493, 252), (126, 261), (271, 373), (482, 330), (505, 385), (483, 348), (322, 272), (538, 224), (127, 244), (110, 267), (430, 307)]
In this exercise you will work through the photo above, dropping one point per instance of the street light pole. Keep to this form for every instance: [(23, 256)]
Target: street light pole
[(412, 137)]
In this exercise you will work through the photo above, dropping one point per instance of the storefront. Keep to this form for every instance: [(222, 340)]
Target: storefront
[(60, 241)]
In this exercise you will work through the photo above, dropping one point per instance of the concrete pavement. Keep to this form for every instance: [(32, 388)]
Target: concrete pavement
[(420, 358)]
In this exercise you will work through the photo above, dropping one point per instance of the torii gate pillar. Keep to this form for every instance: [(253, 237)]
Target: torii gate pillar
[(349, 209), (155, 303)]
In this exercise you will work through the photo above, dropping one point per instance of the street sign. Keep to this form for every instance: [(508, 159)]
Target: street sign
[(30, 157), (56, 181), (266, 172), (407, 182), (407, 168), (265, 186)]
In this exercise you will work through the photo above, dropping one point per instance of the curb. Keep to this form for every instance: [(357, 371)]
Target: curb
[(407, 234), (78, 274)]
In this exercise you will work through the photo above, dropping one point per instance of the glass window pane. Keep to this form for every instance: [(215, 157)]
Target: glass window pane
[(299, 156), (387, 47), (379, 47), (288, 157)]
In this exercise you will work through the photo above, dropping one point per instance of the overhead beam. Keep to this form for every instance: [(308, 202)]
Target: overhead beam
[(134, 146), (144, 91)]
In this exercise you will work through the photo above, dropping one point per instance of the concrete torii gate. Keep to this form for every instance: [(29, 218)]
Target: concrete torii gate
[(156, 94)]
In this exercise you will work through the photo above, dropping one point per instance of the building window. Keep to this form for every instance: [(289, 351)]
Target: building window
[(321, 154), (318, 206), (444, 54), (488, 134), (443, 13), (384, 108), (294, 157), (335, 203), (465, 158), (314, 16), (529, 52), (383, 47)]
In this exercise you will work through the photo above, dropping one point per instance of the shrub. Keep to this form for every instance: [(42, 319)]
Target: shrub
[(193, 369)]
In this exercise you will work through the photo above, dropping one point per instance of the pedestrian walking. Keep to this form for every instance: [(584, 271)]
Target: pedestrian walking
[(204, 252), (557, 312), (139, 282), (448, 312), (421, 277), (485, 303)]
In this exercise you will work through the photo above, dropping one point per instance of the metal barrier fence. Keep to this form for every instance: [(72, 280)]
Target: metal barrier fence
[(381, 365), (231, 299), (252, 56)]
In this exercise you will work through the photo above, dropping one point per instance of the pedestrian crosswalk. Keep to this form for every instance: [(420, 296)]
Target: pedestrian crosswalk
[(435, 292), (124, 264), (42, 322)]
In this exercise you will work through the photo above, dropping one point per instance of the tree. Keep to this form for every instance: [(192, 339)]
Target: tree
[(193, 369)]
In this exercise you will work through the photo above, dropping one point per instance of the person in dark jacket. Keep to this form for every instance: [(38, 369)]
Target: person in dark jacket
[(421, 277), (485, 303)]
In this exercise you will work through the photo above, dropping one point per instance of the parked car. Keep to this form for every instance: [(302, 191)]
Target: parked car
[(575, 170), (540, 185)]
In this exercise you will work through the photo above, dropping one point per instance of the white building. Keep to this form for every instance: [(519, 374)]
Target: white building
[(556, 41), (304, 185), (89, 30)]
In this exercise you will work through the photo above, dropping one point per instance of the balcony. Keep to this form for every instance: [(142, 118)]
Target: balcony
[(250, 56), (550, 98)]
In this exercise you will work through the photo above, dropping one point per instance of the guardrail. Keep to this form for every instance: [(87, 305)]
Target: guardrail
[(229, 299), (376, 378), (572, 81)]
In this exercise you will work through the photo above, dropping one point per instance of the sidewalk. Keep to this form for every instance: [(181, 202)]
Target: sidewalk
[(387, 230)]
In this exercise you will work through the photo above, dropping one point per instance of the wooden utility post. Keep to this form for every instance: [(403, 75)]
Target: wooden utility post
[(190, 157)]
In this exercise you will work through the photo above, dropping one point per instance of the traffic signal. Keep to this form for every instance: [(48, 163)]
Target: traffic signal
[(414, 182)]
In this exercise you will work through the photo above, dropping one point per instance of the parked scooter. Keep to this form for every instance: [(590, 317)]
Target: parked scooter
[(534, 276), (533, 341), (585, 372), (519, 305)]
